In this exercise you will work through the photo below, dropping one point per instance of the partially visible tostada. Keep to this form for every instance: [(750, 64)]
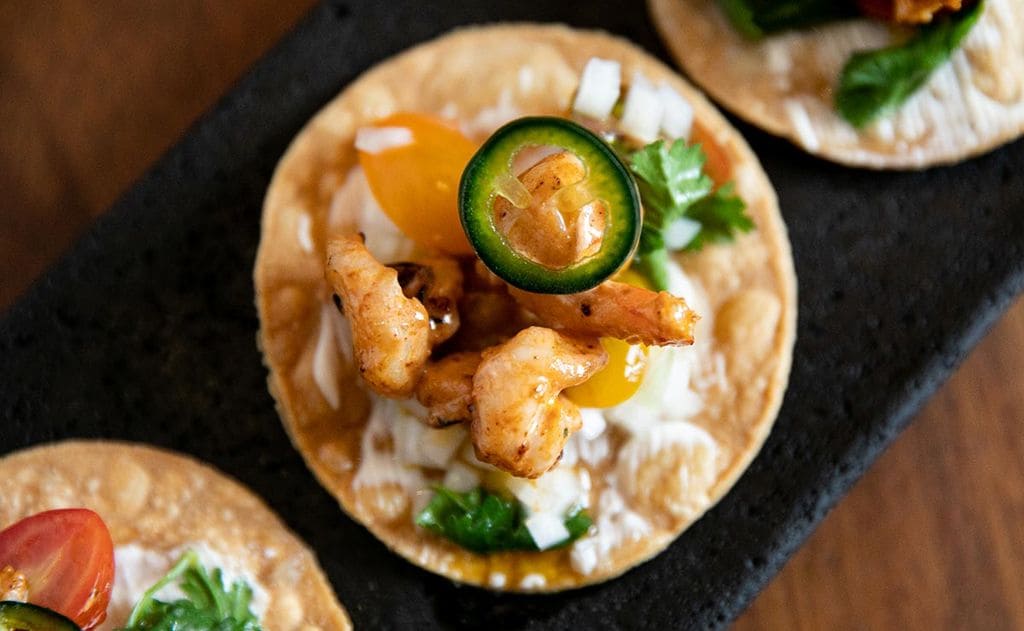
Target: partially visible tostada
[(885, 84), (110, 535)]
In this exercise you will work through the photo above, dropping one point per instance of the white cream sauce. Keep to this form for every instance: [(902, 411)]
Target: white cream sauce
[(326, 364)]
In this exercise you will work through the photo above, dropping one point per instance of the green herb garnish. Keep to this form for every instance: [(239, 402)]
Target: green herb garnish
[(756, 18), (875, 82), (208, 606), (673, 188), (482, 521), (720, 215)]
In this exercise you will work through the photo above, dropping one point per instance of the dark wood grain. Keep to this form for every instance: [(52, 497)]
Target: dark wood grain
[(93, 92), (931, 538)]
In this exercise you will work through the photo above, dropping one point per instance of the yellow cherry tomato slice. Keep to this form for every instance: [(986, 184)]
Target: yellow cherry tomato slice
[(417, 184), (617, 381), (632, 277), (627, 364)]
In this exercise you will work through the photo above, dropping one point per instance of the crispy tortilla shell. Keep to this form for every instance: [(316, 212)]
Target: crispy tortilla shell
[(785, 84), (480, 74), (161, 501)]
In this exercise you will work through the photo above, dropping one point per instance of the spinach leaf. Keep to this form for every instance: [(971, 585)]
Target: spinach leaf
[(482, 521), (207, 605), (876, 82), (757, 18), (674, 188)]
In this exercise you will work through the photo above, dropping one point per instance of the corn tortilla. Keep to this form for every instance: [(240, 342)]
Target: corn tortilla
[(533, 70), (785, 84), (161, 501)]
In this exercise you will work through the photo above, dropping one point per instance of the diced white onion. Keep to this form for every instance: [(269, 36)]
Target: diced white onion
[(583, 555), (680, 232), (593, 423), (378, 139), (677, 114), (594, 451), (547, 529), (533, 581), (417, 444), (641, 114), (555, 492), (615, 525), (461, 478), (376, 466), (497, 580), (666, 392), (599, 88)]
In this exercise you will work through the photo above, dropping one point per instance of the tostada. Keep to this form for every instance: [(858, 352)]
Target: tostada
[(885, 84), (527, 304), (105, 535)]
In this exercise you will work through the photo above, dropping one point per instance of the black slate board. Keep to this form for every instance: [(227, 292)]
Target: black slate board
[(146, 331)]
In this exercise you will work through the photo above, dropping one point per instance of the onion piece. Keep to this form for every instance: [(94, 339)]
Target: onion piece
[(547, 529), (677, 114), (642, 112), (680, 232), (599, 88)]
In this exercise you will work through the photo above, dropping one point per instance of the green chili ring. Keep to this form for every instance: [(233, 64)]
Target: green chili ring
[(607, 176), (18, 615)]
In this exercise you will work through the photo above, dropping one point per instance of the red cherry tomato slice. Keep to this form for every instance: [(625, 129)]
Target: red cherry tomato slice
[(67, 557)]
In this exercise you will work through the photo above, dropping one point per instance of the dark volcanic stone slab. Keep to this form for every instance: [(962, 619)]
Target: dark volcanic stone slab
[(146, 331)]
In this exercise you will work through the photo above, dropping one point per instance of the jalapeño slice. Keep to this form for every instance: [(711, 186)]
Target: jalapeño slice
[(16, 616), (606, 185)]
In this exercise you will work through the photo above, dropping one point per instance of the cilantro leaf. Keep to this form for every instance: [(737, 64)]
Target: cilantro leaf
[(875, 82), (669, 178), (674, 188), (207, 605), (756, 18), (486, 522), (720, 215)]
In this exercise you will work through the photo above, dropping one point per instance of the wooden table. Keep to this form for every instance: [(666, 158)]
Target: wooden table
[(931, 538)]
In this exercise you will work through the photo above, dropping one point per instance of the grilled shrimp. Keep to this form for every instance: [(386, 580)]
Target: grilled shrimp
[(390, 332), (542, 229), (614, 309), (437, 284), (446, 389), (13, 585), (521, 421)]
